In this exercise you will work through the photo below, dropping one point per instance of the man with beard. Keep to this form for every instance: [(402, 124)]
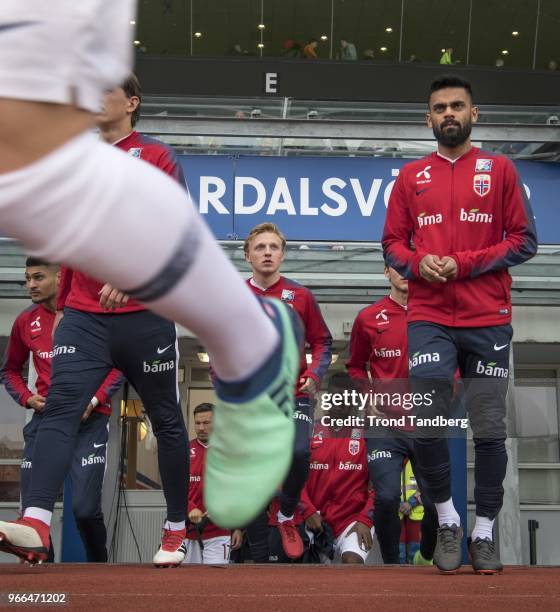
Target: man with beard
[(32, 337), (469, 220)]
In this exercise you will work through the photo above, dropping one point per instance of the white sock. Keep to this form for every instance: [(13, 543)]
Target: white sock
[(282, 518), (171, 526), (123, 221), (38, 513), (483, 528), (447, 515)]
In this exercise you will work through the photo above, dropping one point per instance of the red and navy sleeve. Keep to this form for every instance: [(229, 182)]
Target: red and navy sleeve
[(319, 338), (397, 233), (110, 386), (360, 351), (64, 286), (520, 235), (170, 164), (366, 515), (15, 358)]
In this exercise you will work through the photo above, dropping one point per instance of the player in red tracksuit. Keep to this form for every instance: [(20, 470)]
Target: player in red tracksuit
[(379, 347), (101, 328), (264, 251), (336, 491), (32, 334), (469, 219), (206, 542)]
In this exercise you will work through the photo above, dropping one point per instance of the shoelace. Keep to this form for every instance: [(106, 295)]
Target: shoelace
[(290, 530), (485, 548), (172, 540), (448, 539)]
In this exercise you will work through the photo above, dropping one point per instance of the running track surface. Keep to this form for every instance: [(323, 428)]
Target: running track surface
[(251, 588)]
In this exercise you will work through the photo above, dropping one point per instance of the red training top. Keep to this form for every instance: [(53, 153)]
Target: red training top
[(474, 210), (379, 344), (196, 487), (317, 334), (337, 485), (32, 332), (80, 291)]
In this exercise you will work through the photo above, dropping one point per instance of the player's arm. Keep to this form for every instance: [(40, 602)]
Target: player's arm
[(319, 338), (11, 373), (520, 236), (311, 515), (397, 234), (364, 523), (169, 163), (360, 352), (366, 514), (108, 388), (64, 286)]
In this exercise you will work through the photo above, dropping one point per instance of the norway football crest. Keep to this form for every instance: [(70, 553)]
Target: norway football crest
[(482, 184), (354, 447), (135, 152)]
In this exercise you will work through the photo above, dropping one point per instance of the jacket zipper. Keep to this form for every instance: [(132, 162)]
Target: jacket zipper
[(453, 241)]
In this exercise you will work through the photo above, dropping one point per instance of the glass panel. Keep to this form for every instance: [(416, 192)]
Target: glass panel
[(226, 27), (12, 420), (494, 23), (432, 25), (372, 26), (163, 27), (291, 24), (9, 483), (536, 407), (141, 469), (539, 486), (548, 52)]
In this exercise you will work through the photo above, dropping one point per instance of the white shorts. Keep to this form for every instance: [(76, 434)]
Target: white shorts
[(348, 543), (216, 551), (65, 51)]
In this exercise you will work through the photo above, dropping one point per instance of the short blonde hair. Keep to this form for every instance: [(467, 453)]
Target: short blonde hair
[(261, 228)]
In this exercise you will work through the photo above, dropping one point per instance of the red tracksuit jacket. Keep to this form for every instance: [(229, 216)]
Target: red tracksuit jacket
[(80, 291), (337, 485), (196, 470), (317, 334), (32, 332), (474, 210), (379, 344)]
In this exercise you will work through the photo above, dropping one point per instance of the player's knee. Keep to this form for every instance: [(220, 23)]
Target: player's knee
[(85, 510), (351, 558), (169, 423), (490, 446), (387, 502), (302, 456)]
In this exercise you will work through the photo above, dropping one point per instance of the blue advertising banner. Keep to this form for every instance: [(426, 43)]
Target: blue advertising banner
[(327, 198)]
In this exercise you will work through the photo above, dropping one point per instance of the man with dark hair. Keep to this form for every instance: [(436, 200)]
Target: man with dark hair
[(132, 89), (378, 348), (121, 111), (469, 219), (336, 492), (32, 333), (108, 328), (264, 252), (205, 542)]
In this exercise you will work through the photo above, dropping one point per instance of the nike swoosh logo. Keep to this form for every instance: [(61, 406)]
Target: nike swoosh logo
[(15, 25), (420, 191), (499, 348), (160, 351), (98, 445)]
